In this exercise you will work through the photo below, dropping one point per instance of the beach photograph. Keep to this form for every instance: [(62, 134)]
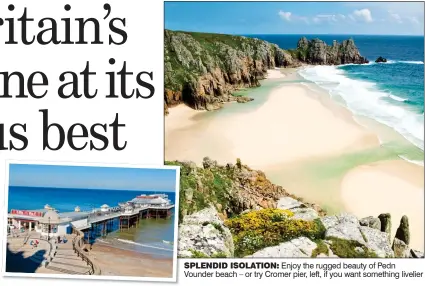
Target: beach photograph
[(89, 221), (298, 128)]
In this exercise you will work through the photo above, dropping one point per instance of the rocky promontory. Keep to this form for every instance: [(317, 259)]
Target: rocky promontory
[(235, 211), (317, 52), (203, 70)]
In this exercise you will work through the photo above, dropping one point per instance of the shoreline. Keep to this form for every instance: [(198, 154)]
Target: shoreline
[(116, 261), (314, 159)]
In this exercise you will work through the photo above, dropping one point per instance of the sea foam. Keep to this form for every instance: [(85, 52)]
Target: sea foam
[(141, 244), (365, 99)]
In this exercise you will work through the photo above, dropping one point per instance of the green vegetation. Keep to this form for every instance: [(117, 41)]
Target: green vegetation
[(219, 255), (202, 187), (189, 55), (350, 249), (269, 227), (300, 54), (321, 248), (218, 227), (198, 254)]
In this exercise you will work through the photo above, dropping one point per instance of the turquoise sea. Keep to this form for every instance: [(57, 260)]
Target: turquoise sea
[(153, 237), (390, 93)]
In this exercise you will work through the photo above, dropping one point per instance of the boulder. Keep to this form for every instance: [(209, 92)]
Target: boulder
[(403, 232), (385, 222), (288, 203), (346, 231), (243, 99), (371, 221), (401, 250), (304, 214), (208, 163), (299, 247), (204, 232), (377, 241), (300, 210), (381, 60)]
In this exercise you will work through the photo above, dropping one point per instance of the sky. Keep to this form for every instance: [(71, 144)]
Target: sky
[(364, 18), (136, 179)]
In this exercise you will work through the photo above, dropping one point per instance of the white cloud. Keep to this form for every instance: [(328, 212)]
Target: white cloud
[(395, 17), (413, 20), (363, 15), (285, 15), (289, 17)]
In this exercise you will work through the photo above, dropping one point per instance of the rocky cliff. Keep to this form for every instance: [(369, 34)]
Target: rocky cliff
[(234, 211), (202, 70), (316, 52)]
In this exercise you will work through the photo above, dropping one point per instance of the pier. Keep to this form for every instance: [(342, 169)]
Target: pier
[(99, 224), (81, 228), (96, 223)]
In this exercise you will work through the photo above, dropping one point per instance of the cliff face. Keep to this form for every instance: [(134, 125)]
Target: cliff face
[(202, 70), (316, 52), (231, 189)]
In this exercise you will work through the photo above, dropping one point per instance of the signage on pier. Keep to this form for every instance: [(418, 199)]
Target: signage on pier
[(27, 213)]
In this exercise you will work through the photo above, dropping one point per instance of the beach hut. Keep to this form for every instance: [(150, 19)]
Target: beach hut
[(104, 208)]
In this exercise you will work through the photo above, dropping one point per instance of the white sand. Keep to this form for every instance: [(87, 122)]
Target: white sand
[(180, 116), (290, 126), (394, 187), (275, 74)]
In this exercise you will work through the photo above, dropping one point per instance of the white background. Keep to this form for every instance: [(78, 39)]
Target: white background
[(143, 118)]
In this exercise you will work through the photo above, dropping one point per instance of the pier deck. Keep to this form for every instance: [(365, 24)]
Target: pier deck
[(103, 218)]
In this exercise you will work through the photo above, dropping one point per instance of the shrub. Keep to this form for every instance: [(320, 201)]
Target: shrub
[(198, 254), (347, 249), (321, 248), (269, 227)]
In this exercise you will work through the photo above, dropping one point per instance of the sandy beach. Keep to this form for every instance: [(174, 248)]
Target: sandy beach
[(394, 187), (275, 74), (119, 262), (309, 144), (279, 131)]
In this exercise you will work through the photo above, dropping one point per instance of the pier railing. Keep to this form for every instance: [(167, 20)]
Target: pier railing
[(77, 246)]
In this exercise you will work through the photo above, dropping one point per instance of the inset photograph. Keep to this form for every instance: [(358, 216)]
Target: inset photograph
[(98, 221)]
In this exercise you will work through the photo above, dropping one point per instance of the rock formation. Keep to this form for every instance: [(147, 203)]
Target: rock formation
[(381, 60), (371, 221), (403, 232), (234, 211), (203, 234), (203, 70), (385, 222), (401, 250), (317, 52), (234, 187)]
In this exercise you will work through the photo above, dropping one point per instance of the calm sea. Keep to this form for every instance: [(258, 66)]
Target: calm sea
[(153, 237), (390, 93)]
